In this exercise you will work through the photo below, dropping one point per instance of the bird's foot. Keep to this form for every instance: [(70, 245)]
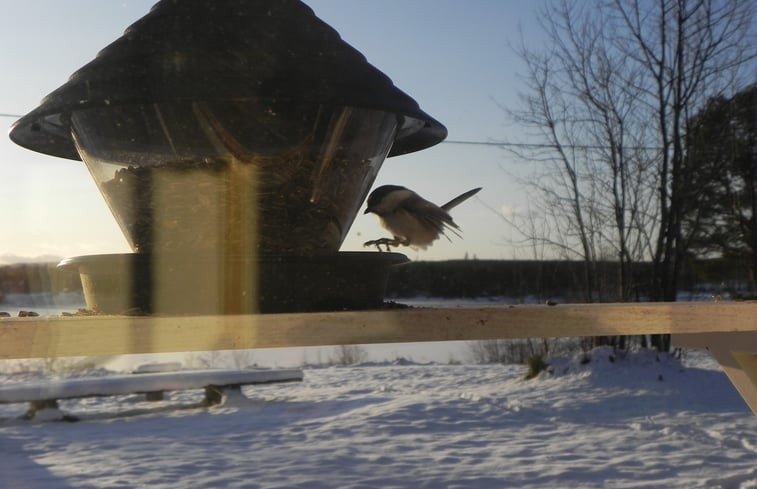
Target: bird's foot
[(388, 242)]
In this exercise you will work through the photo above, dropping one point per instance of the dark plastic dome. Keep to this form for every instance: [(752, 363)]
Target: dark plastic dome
[(225, 50)]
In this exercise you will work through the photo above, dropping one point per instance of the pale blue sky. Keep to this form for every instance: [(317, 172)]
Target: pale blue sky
[(452, 56)]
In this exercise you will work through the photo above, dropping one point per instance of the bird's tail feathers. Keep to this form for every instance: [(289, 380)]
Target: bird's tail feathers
[(460, 199)]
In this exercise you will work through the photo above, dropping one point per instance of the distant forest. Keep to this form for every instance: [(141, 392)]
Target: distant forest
[(543, 280), (27, 278), (462, 279)]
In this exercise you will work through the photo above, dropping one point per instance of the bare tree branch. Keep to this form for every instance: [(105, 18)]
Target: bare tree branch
[(608, 101)]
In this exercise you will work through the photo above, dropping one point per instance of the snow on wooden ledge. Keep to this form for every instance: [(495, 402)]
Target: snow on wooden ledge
[(127, 384)]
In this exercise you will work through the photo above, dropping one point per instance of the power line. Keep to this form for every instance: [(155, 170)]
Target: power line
[(501, 144), (504, 144), (515, 145), (488, 143)]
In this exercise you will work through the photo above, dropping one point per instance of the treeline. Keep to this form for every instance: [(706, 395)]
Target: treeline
[(461, 278), (29, 278), (544, 280)]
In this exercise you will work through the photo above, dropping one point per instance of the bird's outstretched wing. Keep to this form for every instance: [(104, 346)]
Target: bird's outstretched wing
[(460, 199)]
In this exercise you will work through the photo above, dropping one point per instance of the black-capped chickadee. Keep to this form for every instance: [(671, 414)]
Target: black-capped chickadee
[(412, 220)]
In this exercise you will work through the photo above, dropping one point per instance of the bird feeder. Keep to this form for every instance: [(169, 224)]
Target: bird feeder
[(234, 142)]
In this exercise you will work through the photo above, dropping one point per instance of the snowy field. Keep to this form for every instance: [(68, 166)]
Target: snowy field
[(638, 421)]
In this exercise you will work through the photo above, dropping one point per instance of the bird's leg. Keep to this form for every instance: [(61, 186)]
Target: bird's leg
[(388, 242), (378, 242)]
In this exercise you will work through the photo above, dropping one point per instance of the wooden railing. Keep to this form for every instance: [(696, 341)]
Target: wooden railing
[(729, 329)]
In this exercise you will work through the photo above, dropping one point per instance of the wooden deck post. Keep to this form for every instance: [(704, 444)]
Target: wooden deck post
[(737, 355)]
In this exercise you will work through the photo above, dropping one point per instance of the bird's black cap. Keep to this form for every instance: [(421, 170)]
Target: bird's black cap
[(378, 195)]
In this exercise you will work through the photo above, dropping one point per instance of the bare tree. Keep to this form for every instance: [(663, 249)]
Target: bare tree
[(691, 50), (607, 103), (519, 351), (348, 355), (582, 103), (217, 359)]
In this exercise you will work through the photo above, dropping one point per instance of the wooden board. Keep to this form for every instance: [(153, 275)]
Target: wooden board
[(116, 335)]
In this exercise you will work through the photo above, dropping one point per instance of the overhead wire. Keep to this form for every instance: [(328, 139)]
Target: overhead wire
[(480, 143), (501, 144)]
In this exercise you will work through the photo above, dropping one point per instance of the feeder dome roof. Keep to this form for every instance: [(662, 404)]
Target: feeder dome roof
[(189, 50)]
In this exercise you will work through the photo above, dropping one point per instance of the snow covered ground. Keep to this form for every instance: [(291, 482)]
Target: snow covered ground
[(626, 422)]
